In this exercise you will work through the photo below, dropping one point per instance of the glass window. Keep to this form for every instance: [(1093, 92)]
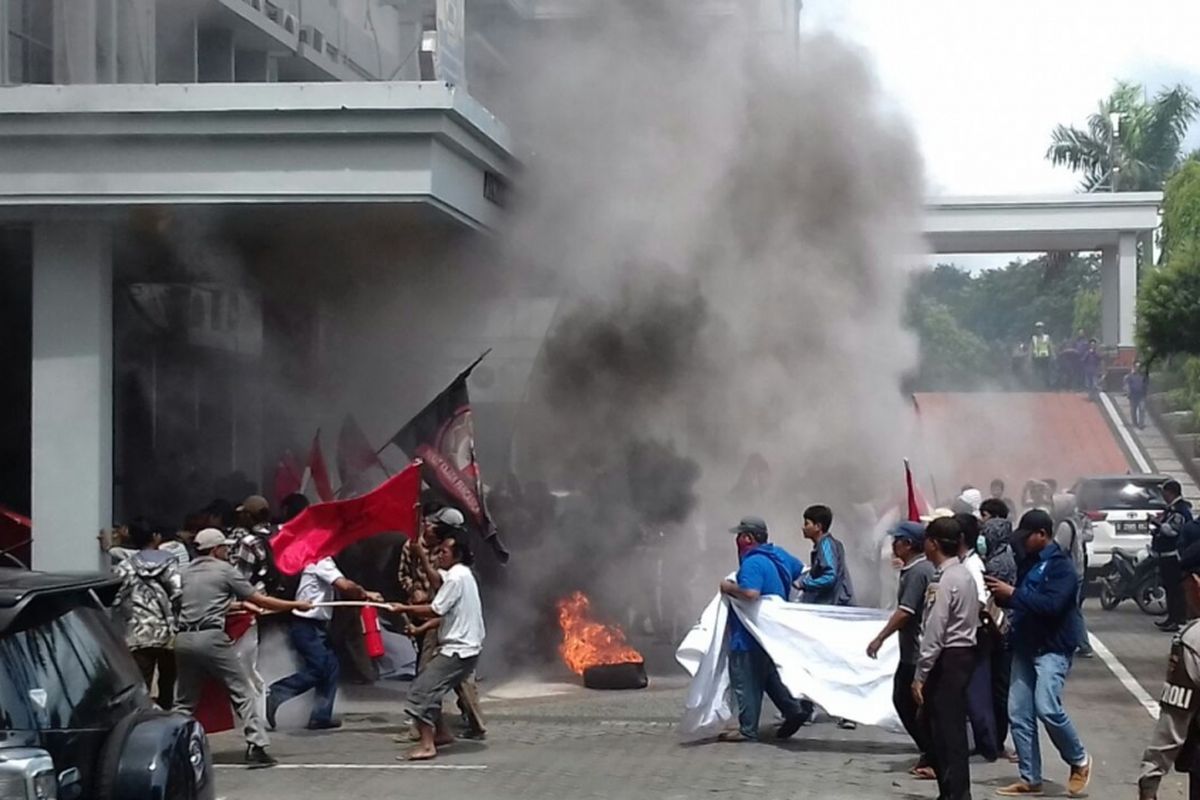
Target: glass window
[(30, 41), (63, 666), (1129, 495)]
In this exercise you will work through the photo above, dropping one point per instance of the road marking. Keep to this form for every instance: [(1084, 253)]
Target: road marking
[(445, 767), (1124, 676), (1124, 433)]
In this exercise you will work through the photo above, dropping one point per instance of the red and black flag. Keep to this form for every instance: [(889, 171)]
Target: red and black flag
[(443, 437)]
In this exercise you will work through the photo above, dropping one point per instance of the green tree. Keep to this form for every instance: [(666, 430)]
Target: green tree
[(1147, 142), (1181, 208), (1087, 312), (1169, 303), (951, 357)]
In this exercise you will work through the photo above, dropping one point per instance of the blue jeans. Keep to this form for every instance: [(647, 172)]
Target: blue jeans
[(319, 670), (1036, 694), (751, 673)]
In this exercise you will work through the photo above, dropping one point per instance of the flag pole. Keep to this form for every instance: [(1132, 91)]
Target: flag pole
[(461, 376)]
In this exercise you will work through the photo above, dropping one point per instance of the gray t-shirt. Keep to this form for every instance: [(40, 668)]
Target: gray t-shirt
[(209, 586), (914, 580), (951, 616)]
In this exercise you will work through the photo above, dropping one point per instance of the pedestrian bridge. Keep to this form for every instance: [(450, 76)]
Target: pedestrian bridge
[(1119, 226)]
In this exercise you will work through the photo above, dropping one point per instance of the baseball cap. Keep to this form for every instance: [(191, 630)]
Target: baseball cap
[(755, 526), (450, 516), (209, 538), (911, 531), (254, 504), (1034, 520)]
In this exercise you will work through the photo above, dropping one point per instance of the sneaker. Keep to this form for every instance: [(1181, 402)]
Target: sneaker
[(474, 734), (273, 704), (1021, 789), (1081, 776), (1168, 627), (257, 757), (1085, 652), (324, 725), (789, 727), (847, 724)]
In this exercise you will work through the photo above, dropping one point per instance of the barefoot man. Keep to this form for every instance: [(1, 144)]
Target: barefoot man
[(457, 615)]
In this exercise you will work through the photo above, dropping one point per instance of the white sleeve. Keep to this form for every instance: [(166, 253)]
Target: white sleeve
[(327, 571), (449, 595)]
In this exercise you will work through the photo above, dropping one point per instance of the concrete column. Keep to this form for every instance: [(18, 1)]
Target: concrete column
[(1110, 332), (1118, 289), (72, 429), (1127, 270)]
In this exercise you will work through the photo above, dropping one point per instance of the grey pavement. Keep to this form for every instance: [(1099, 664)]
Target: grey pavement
[(583, 744)]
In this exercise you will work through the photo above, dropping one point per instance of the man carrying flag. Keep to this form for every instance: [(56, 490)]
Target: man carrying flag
[(443, 437)]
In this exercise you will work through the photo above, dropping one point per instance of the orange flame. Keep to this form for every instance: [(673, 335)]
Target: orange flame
[(587, 643)]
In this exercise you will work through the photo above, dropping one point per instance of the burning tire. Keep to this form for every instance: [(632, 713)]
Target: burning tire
[(616, 676)]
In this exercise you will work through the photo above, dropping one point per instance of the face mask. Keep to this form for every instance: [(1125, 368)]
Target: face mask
[(745, 547), (981, 545)]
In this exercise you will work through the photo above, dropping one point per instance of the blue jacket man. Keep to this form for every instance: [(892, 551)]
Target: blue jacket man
[(764, 570), (1046, 630), (828, 582)]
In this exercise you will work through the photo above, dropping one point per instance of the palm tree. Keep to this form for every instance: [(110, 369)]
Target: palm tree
[(1146, 145)]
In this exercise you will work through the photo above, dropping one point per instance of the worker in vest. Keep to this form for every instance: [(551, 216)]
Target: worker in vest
[(1041, 354), (1176, 737)]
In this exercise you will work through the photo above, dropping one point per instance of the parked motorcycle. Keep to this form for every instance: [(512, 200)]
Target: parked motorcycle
[(1137, 579)]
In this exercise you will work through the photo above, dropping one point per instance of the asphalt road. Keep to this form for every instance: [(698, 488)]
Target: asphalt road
[(559, 741)]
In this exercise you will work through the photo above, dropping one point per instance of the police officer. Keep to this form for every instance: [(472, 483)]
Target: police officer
[(203, 650), (1176, 738), (1041, 352)]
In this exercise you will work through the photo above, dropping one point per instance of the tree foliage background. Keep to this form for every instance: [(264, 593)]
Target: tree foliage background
[(1169, 296), (969, 323)]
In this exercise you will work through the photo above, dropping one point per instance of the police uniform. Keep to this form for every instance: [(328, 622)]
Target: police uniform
[(1176, 738)]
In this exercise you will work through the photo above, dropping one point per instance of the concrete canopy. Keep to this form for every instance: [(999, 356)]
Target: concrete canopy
[(264, 144), (1077, 222)]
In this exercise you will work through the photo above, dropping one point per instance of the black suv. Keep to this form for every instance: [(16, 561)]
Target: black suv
[(76, 721)]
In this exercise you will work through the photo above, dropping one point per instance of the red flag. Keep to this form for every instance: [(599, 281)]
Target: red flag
[(354, 454), (318, 471), (288, 477), (914, 508), (328, 528)]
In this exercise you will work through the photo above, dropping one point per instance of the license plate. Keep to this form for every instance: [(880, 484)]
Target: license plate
[(1133, 528)]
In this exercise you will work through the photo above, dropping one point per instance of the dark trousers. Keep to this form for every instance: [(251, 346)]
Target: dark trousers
[(318, 670), (980, 709), (907, 708), (751, 673), (162, 658), (1001, 677), (945, 711), (1172, 580)]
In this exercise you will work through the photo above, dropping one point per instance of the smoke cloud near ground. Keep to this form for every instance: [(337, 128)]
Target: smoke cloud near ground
[(729, 219)]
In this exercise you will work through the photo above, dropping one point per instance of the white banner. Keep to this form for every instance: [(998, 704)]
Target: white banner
[(820, 651), (450, 59)]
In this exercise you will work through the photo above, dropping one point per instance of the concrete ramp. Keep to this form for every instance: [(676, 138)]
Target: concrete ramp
[(971, 438)]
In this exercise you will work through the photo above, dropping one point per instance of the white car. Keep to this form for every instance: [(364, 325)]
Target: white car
[(1119, 509)]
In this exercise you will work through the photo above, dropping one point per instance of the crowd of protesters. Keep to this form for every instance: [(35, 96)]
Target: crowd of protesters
[(191, 600)]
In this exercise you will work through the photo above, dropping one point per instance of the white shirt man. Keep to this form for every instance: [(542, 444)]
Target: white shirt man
[(457, 603)]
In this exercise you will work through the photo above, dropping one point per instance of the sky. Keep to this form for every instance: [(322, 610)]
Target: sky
[(984, 83)]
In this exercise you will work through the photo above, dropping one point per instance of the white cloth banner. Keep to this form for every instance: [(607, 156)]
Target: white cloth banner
[(820, 651)]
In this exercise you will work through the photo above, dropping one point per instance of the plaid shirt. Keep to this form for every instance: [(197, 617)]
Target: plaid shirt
[(412, 575), (249, 554)]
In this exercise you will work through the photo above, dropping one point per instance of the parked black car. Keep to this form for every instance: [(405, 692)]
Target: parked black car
[(76, 721)]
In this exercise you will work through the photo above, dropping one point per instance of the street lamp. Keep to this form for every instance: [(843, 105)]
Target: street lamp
[(1114, 133)]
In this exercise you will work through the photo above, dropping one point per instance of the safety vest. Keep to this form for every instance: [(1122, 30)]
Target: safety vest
[(1181, 693), (1041, 346)]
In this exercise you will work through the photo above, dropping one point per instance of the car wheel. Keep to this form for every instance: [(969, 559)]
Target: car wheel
[(1151, 598), (1109, 599)]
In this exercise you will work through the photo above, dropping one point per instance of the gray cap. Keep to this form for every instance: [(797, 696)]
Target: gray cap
[(210, 538), (450, 516), (755, 526)]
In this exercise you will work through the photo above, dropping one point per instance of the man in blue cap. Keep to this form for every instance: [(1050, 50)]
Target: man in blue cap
[(908, 546), (764, 570)]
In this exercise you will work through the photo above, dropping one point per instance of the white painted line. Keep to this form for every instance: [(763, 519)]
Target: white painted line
[(1123, 431), (445, 767), (1124, 676)]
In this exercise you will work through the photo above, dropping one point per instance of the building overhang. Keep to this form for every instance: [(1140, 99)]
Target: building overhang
[(1077, 222), (113, 146)]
